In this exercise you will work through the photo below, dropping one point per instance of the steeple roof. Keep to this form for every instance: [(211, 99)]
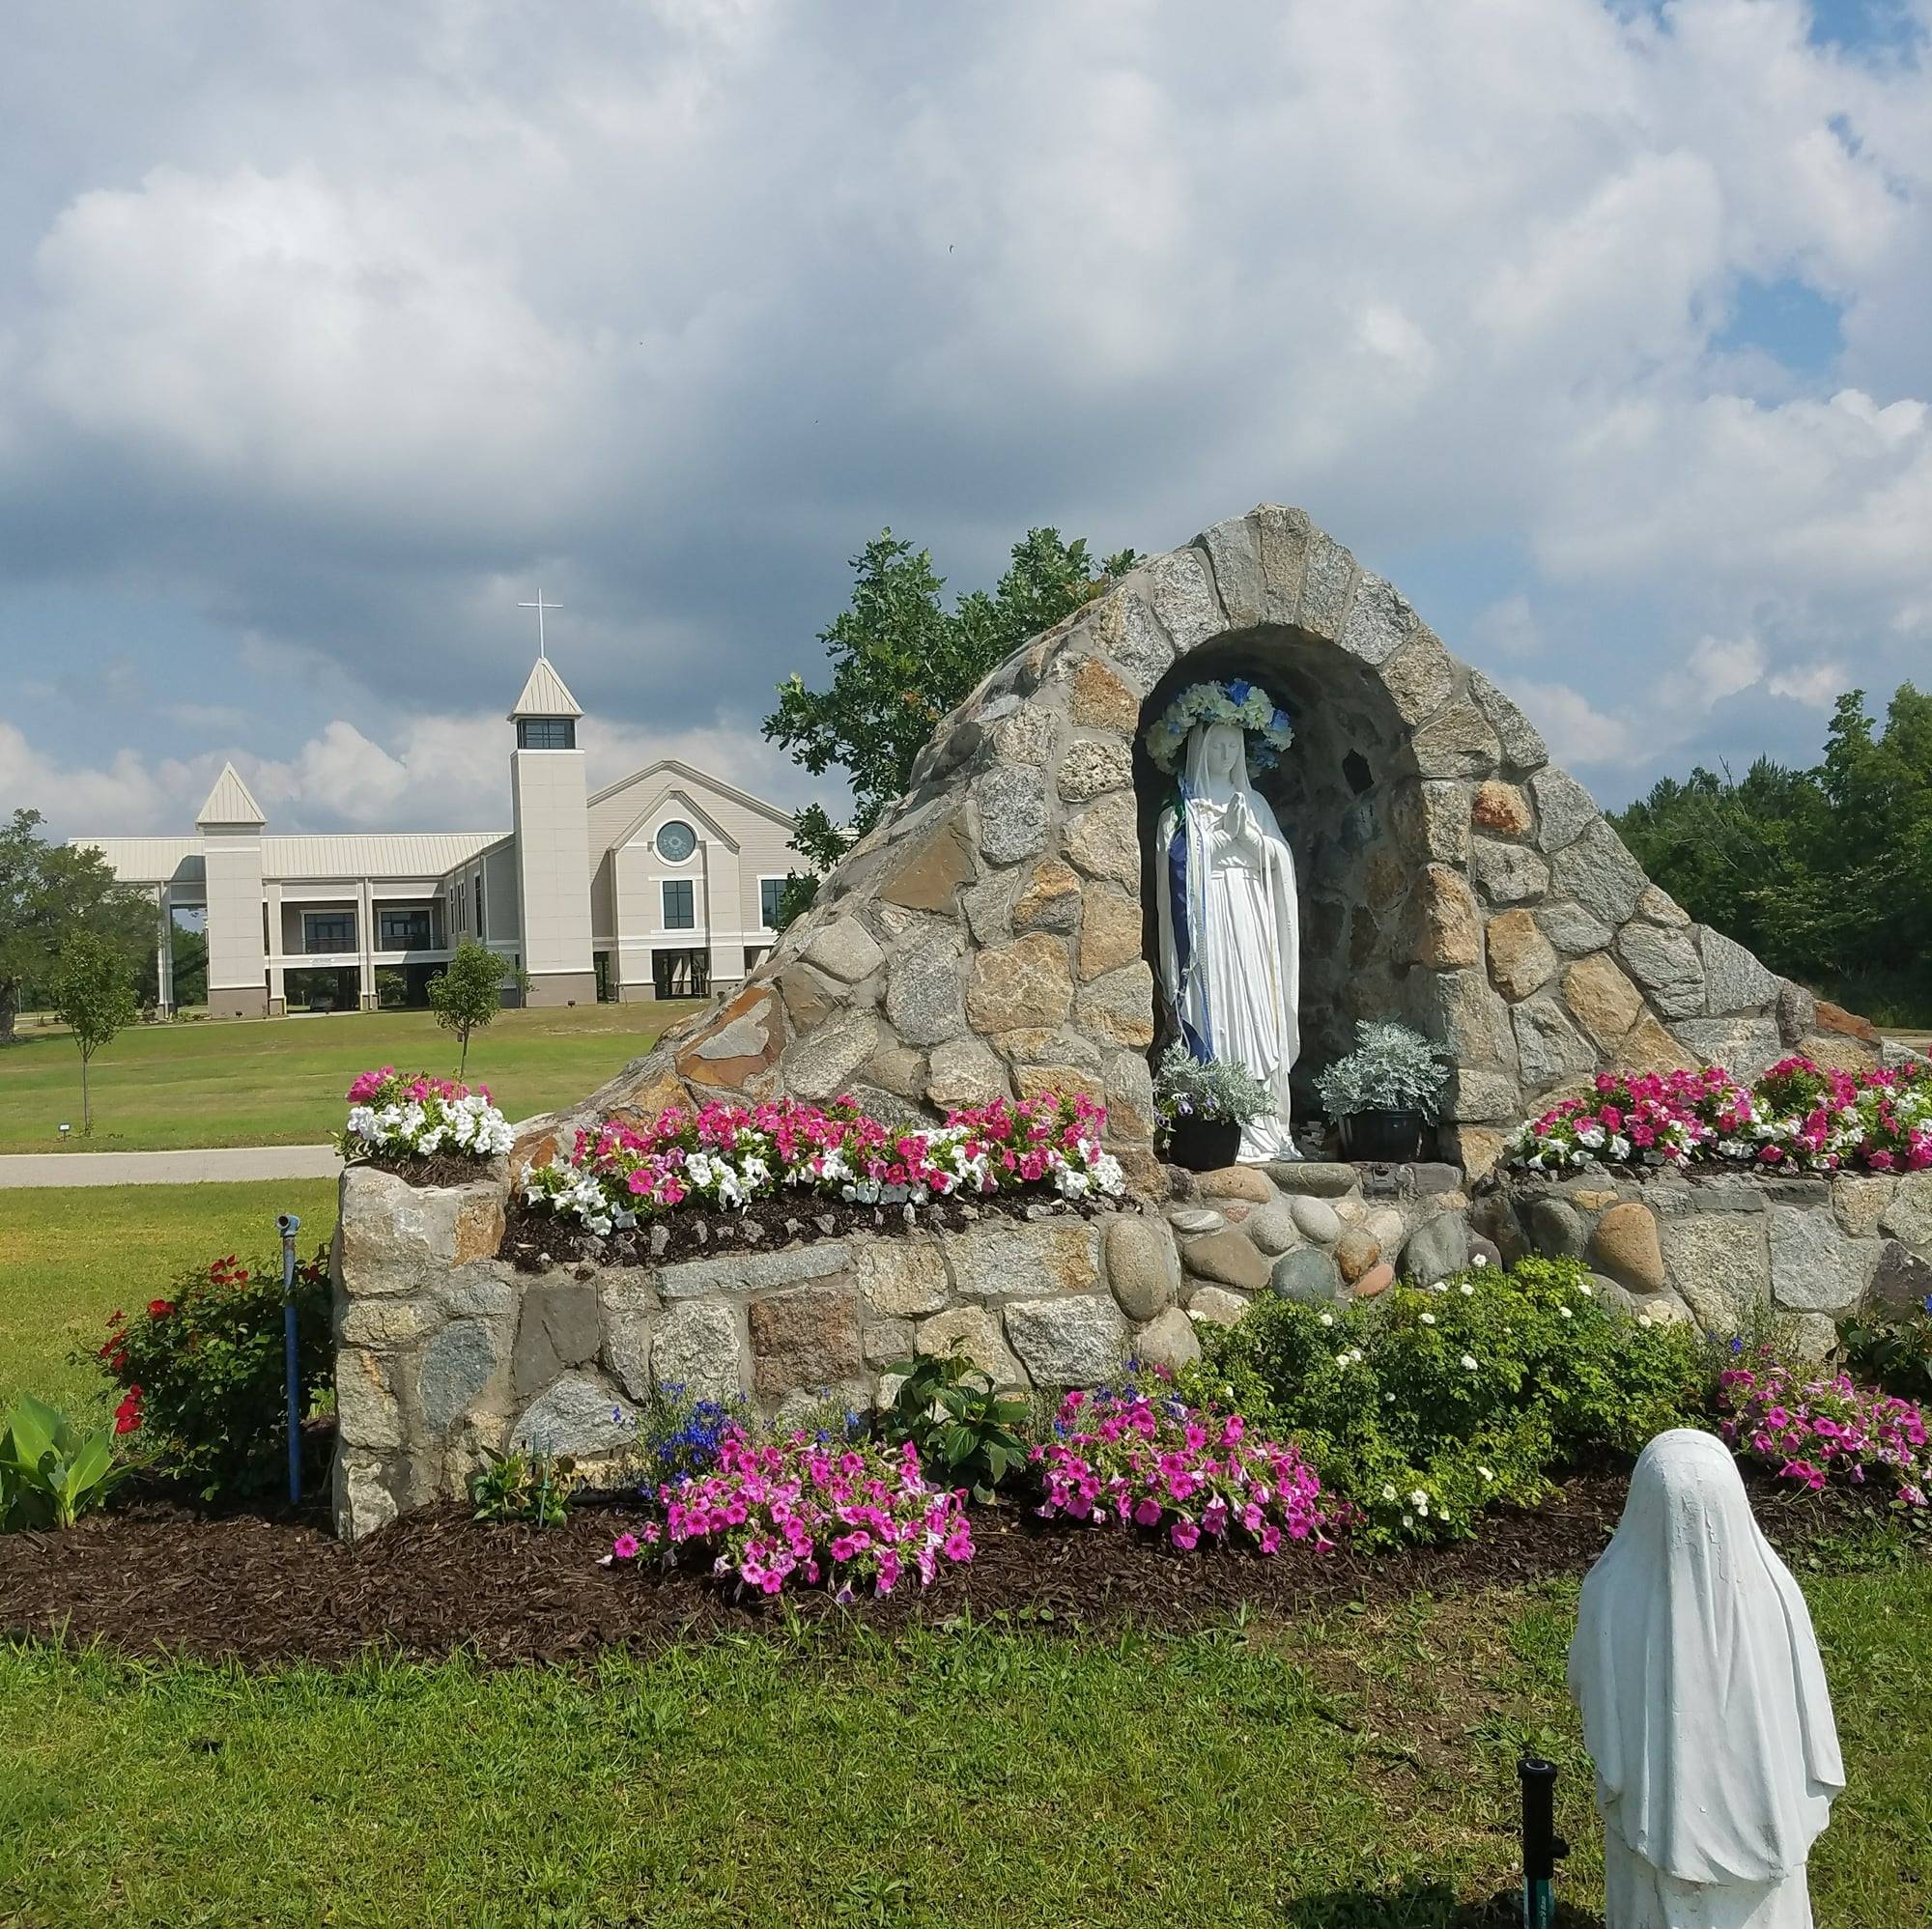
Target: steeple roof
[(545, 695), (230, 801)]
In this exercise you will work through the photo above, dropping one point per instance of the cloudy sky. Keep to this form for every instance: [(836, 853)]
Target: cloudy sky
[(327, 332)]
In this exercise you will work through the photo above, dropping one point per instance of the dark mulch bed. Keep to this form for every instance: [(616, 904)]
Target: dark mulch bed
[(155, 1576), (786, 1219), (436, 1169)]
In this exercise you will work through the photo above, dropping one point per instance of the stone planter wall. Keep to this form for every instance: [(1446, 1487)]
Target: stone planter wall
[(443, 1350), (1733, 1253)]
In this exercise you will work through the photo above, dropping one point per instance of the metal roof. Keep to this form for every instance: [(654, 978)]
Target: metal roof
[(148, 859), (545, 695), (230, 801), (374, 853), (351, 854)]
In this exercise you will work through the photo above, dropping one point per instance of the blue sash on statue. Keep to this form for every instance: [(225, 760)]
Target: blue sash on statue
[(1180, 912)]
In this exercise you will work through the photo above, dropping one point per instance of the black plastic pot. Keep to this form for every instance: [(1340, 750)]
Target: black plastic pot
[(1393, 1138), (1204, 1145)]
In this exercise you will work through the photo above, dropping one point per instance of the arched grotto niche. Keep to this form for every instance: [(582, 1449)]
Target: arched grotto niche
[(1344, 793)]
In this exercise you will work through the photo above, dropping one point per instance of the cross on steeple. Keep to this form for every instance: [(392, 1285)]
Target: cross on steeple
[(540, 606)]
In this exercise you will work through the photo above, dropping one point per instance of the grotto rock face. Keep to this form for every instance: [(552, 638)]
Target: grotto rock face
[(994, 932)]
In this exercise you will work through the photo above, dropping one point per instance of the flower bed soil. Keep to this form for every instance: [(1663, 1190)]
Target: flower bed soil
[(155, 1576), (433, 1169), (535, 1238)]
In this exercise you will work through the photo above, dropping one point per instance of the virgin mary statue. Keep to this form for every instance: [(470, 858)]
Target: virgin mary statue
[(1230, 921), (1704, 1705)]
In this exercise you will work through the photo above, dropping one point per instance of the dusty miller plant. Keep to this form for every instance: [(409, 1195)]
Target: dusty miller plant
[(1391, 1069), (1185, 1086)]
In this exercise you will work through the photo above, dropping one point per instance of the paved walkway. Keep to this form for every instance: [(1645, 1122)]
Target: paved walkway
[(184, 1168)]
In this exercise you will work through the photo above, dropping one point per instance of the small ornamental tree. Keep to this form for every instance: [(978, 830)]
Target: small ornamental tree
[(469, 993), (94, 997)]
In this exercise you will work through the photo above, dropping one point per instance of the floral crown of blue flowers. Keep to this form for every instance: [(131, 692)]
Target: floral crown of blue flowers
[(1235, 701)]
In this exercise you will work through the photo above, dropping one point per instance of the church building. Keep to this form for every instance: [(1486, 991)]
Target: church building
[(663, 885)]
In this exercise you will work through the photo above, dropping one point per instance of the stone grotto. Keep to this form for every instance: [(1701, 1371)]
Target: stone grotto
[(993, 935)]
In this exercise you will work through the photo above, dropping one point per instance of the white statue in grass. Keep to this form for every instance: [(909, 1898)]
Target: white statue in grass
[(1704, 1705), (1228, 917)]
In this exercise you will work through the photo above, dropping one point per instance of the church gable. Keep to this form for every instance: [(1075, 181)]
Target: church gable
[(993, 934), (623, 811), (671, 800)]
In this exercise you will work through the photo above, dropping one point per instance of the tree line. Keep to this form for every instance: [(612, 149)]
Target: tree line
[(1826, 873)]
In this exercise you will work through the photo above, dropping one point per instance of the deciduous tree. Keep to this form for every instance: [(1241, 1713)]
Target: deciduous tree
[(901, 661), (48, 892)]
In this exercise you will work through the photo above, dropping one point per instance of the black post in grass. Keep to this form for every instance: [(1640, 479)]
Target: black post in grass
[(288, 1226), (1542, 1847)]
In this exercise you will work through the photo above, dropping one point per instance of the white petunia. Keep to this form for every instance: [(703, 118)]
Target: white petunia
[(1469, 1361), (1429, 1318)]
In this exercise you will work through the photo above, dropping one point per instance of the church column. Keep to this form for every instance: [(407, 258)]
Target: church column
[(271, 897), (164, 955), (365, 943)]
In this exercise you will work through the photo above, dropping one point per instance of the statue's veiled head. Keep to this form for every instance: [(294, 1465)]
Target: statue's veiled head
[(1218, 760)]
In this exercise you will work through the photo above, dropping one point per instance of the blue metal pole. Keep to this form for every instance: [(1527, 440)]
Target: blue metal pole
[(288, 1225)]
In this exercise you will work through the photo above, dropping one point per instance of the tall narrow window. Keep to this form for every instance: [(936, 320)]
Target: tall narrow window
[(680, 906), (771, 895)]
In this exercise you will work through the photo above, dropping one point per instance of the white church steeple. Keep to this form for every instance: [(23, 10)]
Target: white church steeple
[(553, 840)]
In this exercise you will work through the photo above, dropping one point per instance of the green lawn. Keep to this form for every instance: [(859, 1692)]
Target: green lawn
[(1353, 1770), (68, 1256), (281, 1081), (1358, 1770)]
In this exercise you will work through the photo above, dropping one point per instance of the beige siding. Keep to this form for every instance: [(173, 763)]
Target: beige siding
[(738, 844), (499, 892), (552, 861)]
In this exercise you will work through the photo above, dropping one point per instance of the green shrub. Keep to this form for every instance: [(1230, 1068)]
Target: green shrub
[(1423, 1407), (201, 1372), (967, 1429), (50, 1472), (1892, 1352)]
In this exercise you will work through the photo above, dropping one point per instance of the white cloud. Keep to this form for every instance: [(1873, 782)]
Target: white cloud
[(1579, 734), (1714, 669), (1507, 627), (676, 306), (435, 773), (1815, 685)]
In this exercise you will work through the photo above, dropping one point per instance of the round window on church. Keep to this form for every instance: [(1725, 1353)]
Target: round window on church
[(676, 840)]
